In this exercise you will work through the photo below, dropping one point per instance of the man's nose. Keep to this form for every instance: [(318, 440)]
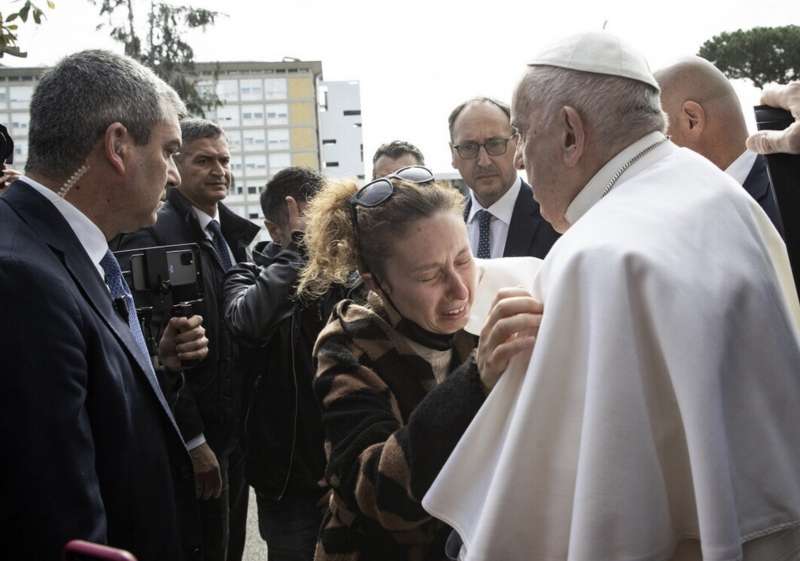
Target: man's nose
[(483, 157), (218, 168), (173, 175)]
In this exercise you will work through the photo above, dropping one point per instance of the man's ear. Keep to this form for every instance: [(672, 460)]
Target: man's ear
[(573, 135), (452, 155), (117, 143), (692, 118)]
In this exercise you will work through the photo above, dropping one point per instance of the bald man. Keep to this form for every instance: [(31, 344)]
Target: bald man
[(705, 116)]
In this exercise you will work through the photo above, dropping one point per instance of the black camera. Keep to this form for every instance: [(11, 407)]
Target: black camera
[(784, 174), (6, 150), (165, 281)]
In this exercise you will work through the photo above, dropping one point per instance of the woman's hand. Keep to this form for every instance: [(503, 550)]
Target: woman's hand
[(511, 329)]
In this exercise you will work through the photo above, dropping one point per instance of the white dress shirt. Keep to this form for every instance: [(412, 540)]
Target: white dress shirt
[(89, 235), (501, 212)]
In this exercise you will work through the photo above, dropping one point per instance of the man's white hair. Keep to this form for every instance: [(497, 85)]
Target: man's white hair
[(617, 111)]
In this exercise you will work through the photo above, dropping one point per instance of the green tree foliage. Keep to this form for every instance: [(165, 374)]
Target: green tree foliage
[(9, 26), (161, 46), (761, 54)]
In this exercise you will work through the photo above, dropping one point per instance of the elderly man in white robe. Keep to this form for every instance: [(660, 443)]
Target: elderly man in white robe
[(658, 416)]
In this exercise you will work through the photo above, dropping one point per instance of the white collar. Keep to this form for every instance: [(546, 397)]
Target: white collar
[(89, 235), (205, 219), (503, 208), (741, 166), (595, 189)]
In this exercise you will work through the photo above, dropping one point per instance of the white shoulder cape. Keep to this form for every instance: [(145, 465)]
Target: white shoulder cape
[(662, 400)]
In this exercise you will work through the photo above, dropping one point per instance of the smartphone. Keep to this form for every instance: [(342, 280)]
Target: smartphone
[(79, 550)]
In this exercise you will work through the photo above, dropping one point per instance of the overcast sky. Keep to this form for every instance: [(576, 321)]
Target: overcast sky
[(417, 59)]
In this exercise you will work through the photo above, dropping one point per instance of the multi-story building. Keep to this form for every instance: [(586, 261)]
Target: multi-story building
[(340, 130), (270, 112)]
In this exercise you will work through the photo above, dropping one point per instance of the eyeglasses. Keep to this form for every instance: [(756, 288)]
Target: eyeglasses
[(496, 146), (380, 190)]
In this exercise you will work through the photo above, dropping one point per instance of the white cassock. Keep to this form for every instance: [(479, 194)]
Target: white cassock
[(662, 400)]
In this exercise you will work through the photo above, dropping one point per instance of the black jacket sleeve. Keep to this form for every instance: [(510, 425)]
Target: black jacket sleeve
[(258, 298)]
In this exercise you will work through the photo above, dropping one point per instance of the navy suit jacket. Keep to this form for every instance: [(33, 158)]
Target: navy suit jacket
[(90, 447), (528, 234), (760, 188)]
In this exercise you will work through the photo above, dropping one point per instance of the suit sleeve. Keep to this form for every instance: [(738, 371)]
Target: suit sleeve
[(378, 465), (49, 485)]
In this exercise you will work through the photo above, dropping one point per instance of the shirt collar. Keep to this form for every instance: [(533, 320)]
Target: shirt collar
[(593, 191), (205, 219), (741, 166), (89, 235), (503, 207)]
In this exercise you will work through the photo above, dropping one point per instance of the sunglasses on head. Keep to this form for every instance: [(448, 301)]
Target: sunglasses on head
[(380, 190)]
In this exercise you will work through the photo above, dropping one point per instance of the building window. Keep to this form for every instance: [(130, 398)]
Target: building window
[(352, 112), (279, 161), (253, 115), (251, 90), (228, 90), (331, 164), (20, 96), (278, 139), (252, 191), (275, 88), (234, 141), (277, 114), (329, 141), (255, 140), (256, 162), (253, 215), (228, 116)]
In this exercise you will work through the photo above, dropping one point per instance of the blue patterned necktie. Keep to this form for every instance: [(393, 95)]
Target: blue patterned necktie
[(219, 244), (120, 292), (484, 246)]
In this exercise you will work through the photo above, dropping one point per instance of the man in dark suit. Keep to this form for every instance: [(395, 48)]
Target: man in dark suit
[(502, 216), (705, 116), (209, 409), (90, 447)]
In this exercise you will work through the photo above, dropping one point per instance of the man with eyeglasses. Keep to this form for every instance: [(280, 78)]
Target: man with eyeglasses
[(502, 216)]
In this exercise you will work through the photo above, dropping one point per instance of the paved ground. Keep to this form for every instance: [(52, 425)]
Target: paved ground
[(254, 549)]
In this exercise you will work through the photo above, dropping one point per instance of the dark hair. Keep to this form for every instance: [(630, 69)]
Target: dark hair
[(451, 120), (300, 183), (76, 101), (330, 238), (398, 148), (194, 128)]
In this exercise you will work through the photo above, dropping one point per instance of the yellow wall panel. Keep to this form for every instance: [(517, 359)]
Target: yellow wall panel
[(302, 114), (305, 160), (303, 139), (301, 87)]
